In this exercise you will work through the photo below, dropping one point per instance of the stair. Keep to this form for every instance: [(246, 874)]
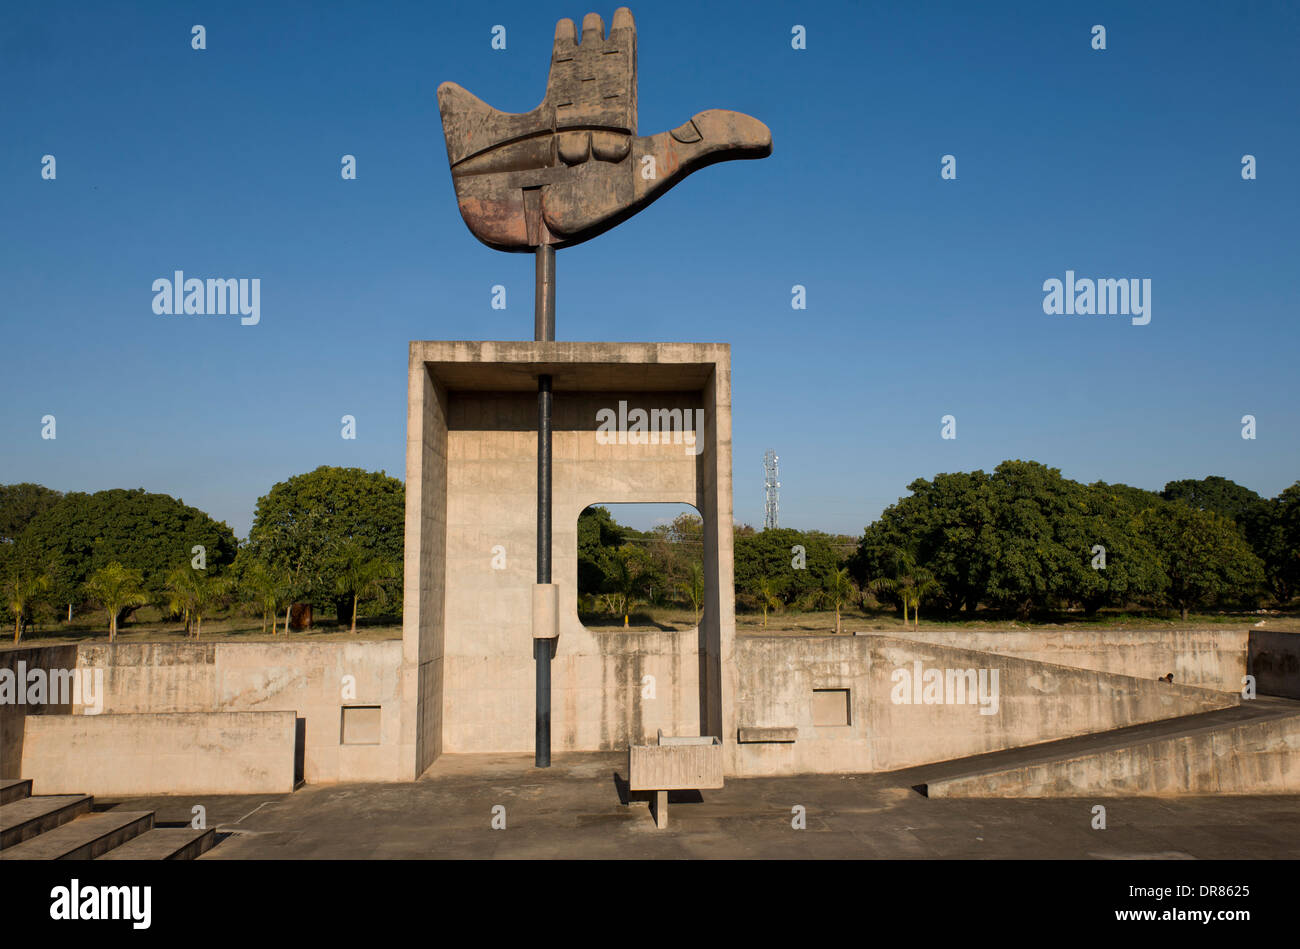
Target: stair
[(1252, 748), (63, 827), (165, 843), (84, 838), (29, 816), (12, 789)]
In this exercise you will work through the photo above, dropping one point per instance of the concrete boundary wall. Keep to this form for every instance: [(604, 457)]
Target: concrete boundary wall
[(1208, 659), (780, 677), (1251, 758), (176, 753), (311, 681)]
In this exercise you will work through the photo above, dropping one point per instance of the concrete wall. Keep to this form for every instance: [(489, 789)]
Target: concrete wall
[(177, 753), (13, 716), (305, 679), (1210, 659), (488, 484), (1251, 758), (1275, 662), (1037, 702)]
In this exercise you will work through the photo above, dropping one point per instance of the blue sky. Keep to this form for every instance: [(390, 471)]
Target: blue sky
[(924, 295)]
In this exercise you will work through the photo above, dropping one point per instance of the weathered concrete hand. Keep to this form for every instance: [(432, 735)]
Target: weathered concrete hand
[(574, 166)]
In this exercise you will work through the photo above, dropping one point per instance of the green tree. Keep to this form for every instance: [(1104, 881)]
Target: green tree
[(1202, 554), (116, 588), (195, 593), (838, 589), (303, 526), (769, 598), (265, 588), (22, 588), (599, 537), (694, 589), (361, 576), (20, 504), (1280, 545), (151, 533)]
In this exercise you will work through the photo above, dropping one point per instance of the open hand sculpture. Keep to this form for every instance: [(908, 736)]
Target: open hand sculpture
[(574, 166)]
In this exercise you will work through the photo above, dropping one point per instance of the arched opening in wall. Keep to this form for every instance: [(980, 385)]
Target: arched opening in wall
[(640, 567)]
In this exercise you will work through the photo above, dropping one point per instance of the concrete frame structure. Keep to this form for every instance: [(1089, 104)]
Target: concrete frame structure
[(471, 556)]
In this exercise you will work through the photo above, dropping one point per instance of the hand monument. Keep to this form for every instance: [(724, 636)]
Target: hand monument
[(574, 166)]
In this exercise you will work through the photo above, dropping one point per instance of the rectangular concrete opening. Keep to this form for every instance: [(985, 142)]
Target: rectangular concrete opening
[(831, 707), (360, 725)]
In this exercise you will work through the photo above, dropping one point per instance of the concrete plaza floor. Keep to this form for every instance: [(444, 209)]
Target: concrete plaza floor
[(574, 810)]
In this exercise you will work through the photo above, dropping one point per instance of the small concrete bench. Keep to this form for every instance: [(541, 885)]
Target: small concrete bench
[(684, 763)]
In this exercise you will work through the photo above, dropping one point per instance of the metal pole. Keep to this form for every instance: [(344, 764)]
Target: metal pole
[(544, 331)]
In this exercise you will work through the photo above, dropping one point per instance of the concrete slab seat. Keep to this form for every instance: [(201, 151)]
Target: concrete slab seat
[(677, 763)]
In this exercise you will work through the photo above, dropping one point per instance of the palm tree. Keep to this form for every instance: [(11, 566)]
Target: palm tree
[(194, 592), (21, 590), (838, 589), (116, 587), (624, 580), (912, 588), (767, 597), (266, 588), (362, 577), (694, 589)]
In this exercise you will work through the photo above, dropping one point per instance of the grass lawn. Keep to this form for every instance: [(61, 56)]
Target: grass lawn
[(823, 622), (146, 625)]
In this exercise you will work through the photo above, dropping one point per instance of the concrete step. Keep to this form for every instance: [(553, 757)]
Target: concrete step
[(29, 816), (1253, 748), (85, 838), (165, 843), (13, 789)]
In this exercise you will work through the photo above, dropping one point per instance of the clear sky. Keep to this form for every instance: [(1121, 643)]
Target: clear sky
[(924, 295)]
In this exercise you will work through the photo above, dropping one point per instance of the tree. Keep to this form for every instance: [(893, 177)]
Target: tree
[(265, 588), (1279, 544), (1202, 555), (1239, 504), (361, 576), (694, 589), (20, 504), (303, 525), (21, 589), (151, 533), (116, 588), (768, 596), (911, 588), (838, 589), (599, 537), (194, 593), (773, 555)]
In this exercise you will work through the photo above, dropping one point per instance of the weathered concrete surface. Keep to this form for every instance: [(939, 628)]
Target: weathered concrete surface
[(471, 544), (306, 679), (176, 753), (12, 715), (573, 810), (1208, 659), (1254, 752), (1036, 702), (1275, 662), (674, 767)]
